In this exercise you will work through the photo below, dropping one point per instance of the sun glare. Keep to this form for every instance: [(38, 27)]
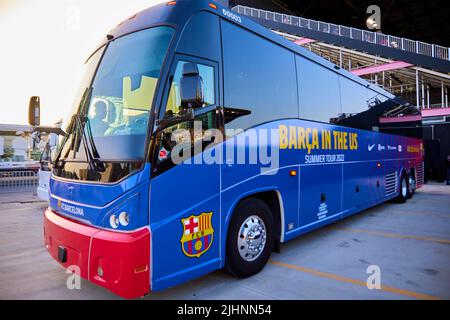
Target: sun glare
[(44, 44)]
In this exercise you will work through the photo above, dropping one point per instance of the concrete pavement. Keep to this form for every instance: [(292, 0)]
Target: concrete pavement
[(409, 243)]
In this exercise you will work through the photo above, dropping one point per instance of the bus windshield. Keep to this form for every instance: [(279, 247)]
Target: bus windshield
[(116, 108)]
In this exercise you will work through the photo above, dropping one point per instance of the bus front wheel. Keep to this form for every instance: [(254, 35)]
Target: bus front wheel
[(250, 238)]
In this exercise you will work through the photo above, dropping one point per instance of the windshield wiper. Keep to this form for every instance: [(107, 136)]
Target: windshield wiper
[(93, 159), (77, 129), (77, 133), (91, 139)]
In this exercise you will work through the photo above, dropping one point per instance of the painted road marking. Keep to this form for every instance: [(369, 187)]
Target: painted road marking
[(391, 235), (442, 215), (336, 277)]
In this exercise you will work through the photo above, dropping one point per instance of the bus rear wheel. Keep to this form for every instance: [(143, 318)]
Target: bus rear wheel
[(403, 194), (250, 238), (411, 185)]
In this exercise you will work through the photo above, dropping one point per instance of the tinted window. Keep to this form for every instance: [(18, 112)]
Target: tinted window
[(186, 133), (121, 95), (174, 100), (361, 106), (318, 91), (117, 108), (354, 97), (374, 98), (260, 77)]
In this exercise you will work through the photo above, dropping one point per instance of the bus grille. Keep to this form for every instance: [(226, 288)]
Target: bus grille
[(420, 173), (390, 183)]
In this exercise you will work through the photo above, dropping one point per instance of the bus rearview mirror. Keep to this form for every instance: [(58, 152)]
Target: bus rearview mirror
[(191, 87), (34, 111)]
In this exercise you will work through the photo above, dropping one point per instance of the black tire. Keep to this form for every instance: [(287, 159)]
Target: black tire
[(403, 193), (235, 264), (411, 185)]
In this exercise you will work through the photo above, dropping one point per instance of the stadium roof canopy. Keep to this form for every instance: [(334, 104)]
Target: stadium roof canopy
[(421, 20)]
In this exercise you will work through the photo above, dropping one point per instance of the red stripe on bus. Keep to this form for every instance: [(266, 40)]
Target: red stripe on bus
[(205, 242), (190, 247)]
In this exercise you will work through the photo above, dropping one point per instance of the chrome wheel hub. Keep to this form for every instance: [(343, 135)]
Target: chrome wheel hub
[(251, 238), (412, 184), (404, 188)]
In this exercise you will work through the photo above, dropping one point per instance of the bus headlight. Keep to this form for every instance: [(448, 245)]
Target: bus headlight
[(124, 215), (114, 221), (124, 218)]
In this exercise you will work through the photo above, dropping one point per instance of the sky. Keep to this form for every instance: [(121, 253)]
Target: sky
[(43, 46)]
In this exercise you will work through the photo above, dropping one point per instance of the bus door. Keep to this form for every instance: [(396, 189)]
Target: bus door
[(185, 186)]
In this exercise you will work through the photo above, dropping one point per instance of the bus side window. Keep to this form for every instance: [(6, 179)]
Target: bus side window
[(174, 99), (184, 133)]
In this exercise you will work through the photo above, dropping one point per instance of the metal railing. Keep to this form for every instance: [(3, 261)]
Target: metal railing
[(436, 106), (431, 50), (18, 180)]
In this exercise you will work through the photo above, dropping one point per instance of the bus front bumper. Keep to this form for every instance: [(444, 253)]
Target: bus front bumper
[(118, 261)]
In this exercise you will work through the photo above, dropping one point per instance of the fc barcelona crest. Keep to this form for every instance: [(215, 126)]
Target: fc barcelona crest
[(197, 234)]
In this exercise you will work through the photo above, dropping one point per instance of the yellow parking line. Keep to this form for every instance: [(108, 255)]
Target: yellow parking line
[(421, 214), (327, 275), (391, 235)]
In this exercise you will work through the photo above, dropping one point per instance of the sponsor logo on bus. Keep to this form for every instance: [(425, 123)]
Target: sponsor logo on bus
[(290, 137), (295, 137), (197, 234), (413, 149), (70, 208)]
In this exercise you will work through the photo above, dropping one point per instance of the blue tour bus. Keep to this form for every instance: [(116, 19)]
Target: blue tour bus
[(200, 140)]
